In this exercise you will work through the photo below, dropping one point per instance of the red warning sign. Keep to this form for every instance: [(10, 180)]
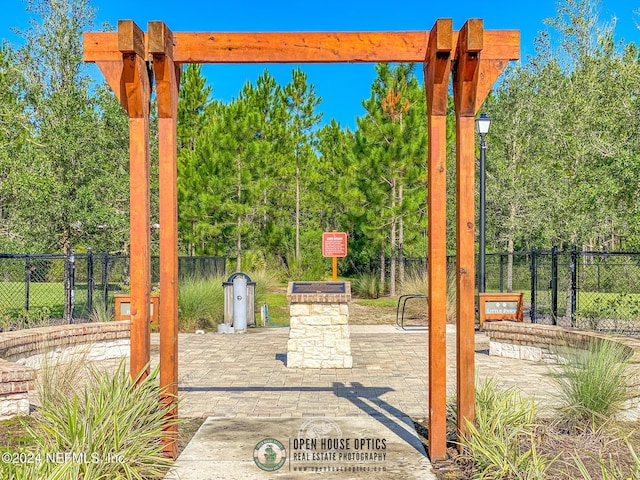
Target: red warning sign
[(334, 244)]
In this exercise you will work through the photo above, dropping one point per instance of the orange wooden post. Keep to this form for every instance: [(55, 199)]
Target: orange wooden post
[(464, 87), (473, 77), (167, 86), (465, 270), (136, 82), (436, 73)]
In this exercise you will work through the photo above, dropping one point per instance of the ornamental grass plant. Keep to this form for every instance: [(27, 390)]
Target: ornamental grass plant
[(593, 384), (610, 470), (101, 312), (60, 378), (504, 440), (200, 303), (113, 428), (368, 285)]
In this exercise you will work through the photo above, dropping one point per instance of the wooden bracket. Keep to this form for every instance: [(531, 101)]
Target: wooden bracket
[(136, 77), (167, 73), (437, 65), (466, 69)]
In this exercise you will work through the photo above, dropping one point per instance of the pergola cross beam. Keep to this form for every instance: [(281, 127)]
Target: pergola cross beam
[(302, 47), (129, 58)]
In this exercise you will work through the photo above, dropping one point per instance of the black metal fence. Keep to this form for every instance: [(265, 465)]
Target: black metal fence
[(69, 286), (589, 290)]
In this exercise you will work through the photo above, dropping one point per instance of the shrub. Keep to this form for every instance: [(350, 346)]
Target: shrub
[(13, 319), (200, 303), (612, 311), (368, 285), (101, 312), (115, 423), (502, 441), (305, 268), (593, 383)]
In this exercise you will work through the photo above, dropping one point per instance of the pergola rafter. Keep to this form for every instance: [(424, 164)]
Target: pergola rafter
[(130, 58)]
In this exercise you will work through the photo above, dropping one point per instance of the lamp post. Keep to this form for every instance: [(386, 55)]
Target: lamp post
[(482, 127)]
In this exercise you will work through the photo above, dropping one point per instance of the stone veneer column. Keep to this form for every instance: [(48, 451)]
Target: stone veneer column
[(319, 328)]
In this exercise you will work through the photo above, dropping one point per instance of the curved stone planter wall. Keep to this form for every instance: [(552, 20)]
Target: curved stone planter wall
[(22, 353), (546, 343)]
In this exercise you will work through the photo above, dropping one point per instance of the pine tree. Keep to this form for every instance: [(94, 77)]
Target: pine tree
[(195, 111), (301, 102), (391, 146)]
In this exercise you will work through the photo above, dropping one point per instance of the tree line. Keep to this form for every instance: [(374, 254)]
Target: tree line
[(260, 177)]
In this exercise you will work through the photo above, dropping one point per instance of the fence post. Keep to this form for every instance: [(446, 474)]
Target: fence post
[(532, 267), (554, 284), (69, 286), (67, 290), (72, 284), (501, 272), (105, 278), (27, 281), (89, 280), (574, 282)]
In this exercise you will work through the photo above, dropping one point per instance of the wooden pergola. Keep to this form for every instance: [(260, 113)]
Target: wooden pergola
[(130, 59)]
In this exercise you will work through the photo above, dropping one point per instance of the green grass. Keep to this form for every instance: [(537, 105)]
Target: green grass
[(41, 294), (49, 295), (378, 302), (278, 308)]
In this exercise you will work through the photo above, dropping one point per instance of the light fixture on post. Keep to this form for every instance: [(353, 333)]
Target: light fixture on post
[(482, 127)]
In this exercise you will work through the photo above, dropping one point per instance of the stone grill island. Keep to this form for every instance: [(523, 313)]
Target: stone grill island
[(319, 325)]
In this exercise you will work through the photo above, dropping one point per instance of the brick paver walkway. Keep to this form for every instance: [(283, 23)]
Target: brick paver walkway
[(246, 376)]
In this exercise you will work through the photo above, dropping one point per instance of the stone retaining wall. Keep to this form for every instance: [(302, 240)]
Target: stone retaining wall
[(548, 343), (23, 351)]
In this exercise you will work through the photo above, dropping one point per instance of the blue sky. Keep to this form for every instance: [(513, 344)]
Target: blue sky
[(342, 87)]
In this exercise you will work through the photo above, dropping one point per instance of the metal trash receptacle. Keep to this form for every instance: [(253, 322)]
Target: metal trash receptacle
[(239, 312)]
